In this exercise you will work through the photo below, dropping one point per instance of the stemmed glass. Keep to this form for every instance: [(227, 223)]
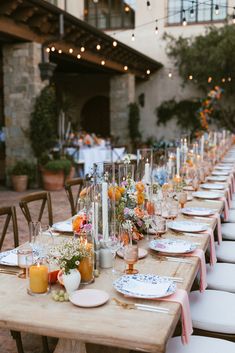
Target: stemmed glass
[(113, 243), (182, 198)]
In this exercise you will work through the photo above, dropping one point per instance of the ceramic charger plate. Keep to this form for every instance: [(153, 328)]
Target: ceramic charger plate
[(144, 286), (217, 178), (9, 258), (207, 195), (224, 173), (187, 226), (213, 186), (172, 246), (226, 168), (197, 211), (89, 298)]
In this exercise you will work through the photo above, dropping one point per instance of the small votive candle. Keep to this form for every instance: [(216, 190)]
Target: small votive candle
[(38, 279)]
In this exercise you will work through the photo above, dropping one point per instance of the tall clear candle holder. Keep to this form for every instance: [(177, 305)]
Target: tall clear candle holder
[(145, 165)]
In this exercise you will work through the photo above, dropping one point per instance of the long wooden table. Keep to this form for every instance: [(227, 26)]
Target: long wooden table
[(108, 325)]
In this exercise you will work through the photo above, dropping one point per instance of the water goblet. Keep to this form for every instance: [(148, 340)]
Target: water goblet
[(182, 198), (23, 254), (173, 210), (131, 257)]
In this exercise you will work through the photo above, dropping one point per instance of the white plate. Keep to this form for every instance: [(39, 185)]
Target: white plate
[(217, 178), (213, 186), (144, 286), (9, 258), (65, 226), (220, 173), (223, 168), (197, 211), (187, 226), (172, 246), (89, 298), (207, 195), (141, 253)]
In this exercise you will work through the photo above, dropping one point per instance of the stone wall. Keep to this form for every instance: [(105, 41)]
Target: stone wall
[(22, 83), (122, 92)]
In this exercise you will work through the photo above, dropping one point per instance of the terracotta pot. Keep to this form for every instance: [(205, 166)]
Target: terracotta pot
[(52, 181), (19, 182)]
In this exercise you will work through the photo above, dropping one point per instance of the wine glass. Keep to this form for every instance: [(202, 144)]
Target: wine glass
[(173, 210), (160, 226), (24, 253), (182, 198), (131, 257)]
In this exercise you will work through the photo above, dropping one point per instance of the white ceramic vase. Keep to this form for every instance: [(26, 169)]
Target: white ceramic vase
[(71, 280)]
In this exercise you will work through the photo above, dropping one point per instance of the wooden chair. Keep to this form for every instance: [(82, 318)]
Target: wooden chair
[(10, 213), (73, 196), (45, 199)]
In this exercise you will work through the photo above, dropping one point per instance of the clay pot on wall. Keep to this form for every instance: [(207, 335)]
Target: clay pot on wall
[(19, 182)]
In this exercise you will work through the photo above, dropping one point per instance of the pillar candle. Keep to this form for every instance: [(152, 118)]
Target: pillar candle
[(147, 172), (105, 210), (95, 208), (38, 278), (178, 161)]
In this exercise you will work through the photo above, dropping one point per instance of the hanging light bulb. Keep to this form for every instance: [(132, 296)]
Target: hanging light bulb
[(70, 50), (125, 68), (82, 49), (79, 56), (48, 50), (52, 48), (216, 9), (98, 47), (133, 37), (192, 10), (148, 5), (148, 72), (209, 79), (114, 43), (102, 62), (60, 51), (156, 28), (184, 21), (223, 80), (170, 74), (127, 9), (190, 77), (233, 17), (229, 79)]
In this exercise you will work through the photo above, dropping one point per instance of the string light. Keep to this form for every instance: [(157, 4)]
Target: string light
[(209, 79), (190, 77), (98, 47), (229, 79), (170, 74), (79, 56), (156, 28), (114, 43), (216, 9), (125, 68), (52, 48), (60, 51), (223, 80), (71, 50), (148, 72), (82, 49), (192, 10), (148, 5), (102, 62), (127, 9), (233, 17), (133, 37), (48, 50), (184, 21)]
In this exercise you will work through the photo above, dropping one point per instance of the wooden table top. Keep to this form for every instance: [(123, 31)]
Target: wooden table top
[(109, 324)]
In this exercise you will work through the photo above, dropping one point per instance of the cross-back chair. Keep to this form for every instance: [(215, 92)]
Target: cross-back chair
[(73, 195), (45, 198), (10, 215)]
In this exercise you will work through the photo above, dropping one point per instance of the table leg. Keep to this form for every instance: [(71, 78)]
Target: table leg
[(70, 346)]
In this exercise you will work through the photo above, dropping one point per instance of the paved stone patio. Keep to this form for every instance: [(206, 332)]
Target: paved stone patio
[(61, 210)]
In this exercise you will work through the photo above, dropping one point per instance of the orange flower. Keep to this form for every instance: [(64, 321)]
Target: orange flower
[(114, 193), (140, 198), (139, 213), (139, 186), (150, 208), (78, 223), (121, 189)]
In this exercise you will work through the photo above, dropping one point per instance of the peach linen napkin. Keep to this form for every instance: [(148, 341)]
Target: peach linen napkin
[(213, 258), (219, 229), (202, 267), (181, 297)]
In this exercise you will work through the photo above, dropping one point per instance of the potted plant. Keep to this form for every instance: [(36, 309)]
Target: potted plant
[(20, 173), (54, 173)]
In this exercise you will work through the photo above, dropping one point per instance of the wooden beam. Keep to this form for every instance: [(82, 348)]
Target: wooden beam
[(8, 7), (23, 14)]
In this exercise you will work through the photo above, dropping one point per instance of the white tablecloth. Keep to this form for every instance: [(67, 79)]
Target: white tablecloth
[(97, 154)]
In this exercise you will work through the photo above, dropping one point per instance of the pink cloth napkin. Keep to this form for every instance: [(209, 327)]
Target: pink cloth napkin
[(219, 229), (213, 258), (226, 211), (229, 198), (200, 254), (181, 297)]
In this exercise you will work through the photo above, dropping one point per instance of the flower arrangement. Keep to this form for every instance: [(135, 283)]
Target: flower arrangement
[(81, 223), (160, 175), (68, 254), (129, 198)]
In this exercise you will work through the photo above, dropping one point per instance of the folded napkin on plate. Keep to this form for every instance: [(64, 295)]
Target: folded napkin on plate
[(181, 297), (10, 259), (158, 289), (200, 254), (64, 226)]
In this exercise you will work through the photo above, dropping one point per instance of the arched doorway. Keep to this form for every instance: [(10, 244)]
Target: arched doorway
[(95, 116)]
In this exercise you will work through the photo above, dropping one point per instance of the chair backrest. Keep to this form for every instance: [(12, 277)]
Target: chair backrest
[(10, 215), (73, 195), (45, 198)]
